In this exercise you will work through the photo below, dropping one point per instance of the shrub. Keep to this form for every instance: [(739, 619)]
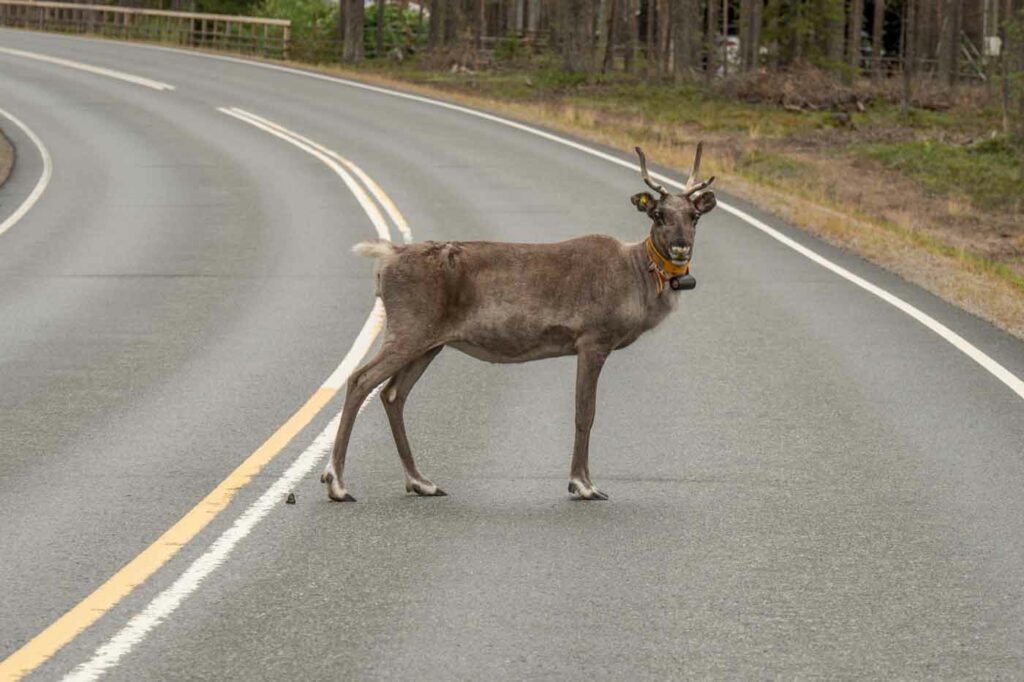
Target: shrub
[(402, 30)]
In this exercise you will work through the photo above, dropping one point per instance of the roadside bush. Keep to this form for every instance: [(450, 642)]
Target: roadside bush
[(509, 49), (402, 31), (314, 26)]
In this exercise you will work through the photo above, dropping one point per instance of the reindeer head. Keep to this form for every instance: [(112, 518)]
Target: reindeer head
[(675, 215)]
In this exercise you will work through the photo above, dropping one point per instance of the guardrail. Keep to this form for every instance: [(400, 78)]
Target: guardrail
[(250, 35)]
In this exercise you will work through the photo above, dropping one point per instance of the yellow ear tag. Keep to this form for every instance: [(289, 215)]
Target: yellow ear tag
[(643, 200)]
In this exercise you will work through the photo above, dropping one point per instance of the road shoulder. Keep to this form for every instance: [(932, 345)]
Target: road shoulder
[(6, 158)]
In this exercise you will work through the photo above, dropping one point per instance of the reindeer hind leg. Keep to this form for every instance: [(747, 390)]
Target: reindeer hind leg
[(393, 396), (389, 361)]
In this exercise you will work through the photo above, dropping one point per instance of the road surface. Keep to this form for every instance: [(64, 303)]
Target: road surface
[(804, 480)]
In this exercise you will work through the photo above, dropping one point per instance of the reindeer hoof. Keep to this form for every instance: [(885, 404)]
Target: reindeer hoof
[(424, 489), (335, 491), (583, 491)]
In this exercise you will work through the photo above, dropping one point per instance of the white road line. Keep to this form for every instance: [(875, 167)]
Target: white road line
[(1012, 381), (382, 198), (361, 196), (164, 604), (41, 183), (98, 70)]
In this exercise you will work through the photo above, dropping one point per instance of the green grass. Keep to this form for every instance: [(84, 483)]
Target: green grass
[(623, 95), (990, 174), (774, 170)]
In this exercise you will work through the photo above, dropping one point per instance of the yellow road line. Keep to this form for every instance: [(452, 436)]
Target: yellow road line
[(48, 642), (135, 572)]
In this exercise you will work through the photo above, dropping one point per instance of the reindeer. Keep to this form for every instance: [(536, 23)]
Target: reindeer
[(506, 303)]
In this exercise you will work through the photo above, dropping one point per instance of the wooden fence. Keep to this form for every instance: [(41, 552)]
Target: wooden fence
[(249, 35)]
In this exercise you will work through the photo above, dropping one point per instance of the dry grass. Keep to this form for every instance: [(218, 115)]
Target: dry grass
[(953, 275), (6, 158)]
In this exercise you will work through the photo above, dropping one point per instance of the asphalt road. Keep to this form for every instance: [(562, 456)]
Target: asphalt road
[(804, 480)]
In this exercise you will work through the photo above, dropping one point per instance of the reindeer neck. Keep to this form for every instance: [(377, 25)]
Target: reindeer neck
[(657, 300)]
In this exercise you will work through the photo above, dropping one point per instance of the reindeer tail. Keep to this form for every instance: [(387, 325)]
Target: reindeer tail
[(374, 249)]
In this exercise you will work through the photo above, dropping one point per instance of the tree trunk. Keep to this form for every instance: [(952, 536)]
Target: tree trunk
[(533, 16), (632, 25), (854, 27), (1011, 64), (725, 37), (515, 16), (949, 42), (1016, 15), (601, 29), (354, 17), (877, 38), (480, 27), (663, 38), (909, 57), (650, 50), (746, 9), (755, 34), (836, 34), (610, 36), (751, 12), (452, 21), (711, 40), (380, 30), (342, 25), (436, 35), (575, 21), (683, 18), (927, 31)]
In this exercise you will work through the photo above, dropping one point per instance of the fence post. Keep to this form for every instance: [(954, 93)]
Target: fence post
[(255, 35)]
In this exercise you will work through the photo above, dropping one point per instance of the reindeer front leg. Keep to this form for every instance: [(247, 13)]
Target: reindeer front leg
[(588, 368)]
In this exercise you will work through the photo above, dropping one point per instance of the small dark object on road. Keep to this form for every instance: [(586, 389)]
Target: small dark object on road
[(290, 499)]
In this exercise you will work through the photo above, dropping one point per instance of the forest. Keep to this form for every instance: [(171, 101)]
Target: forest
[(911, 43)]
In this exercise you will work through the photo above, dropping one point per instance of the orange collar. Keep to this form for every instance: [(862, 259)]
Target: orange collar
[(661, 268)]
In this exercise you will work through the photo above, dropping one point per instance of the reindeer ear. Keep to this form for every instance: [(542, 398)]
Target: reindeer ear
[(643, 201), (704, 201)]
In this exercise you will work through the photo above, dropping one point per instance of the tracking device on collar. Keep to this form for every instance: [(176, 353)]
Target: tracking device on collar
[(683, 282)]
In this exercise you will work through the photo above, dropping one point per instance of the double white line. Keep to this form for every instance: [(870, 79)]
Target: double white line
[(164, 604), (340, 165)]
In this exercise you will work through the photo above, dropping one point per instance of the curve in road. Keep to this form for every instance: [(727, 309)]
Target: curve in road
[(44, 176), (837, 468)]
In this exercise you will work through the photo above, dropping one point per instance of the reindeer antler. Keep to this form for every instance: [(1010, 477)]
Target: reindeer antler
[(644, 174), (692, 186)]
